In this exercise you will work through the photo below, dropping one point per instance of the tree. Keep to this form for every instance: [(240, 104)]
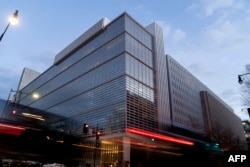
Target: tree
[(228, 140), (245, 89)]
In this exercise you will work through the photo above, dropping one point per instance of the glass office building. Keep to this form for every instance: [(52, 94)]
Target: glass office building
[(115, 78), (107, 80)]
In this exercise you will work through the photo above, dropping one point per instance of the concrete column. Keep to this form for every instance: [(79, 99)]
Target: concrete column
[(126, 151)]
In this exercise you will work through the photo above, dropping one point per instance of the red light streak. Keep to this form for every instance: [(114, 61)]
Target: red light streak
[(159, 136), (10, 129)]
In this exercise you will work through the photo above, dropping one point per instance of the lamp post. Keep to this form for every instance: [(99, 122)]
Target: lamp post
[(240, 78), (18, 93), (13, 20), (14, 100)]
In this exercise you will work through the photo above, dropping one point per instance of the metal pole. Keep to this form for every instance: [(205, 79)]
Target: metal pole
[(4, 31), (6, 104), (96, 141)]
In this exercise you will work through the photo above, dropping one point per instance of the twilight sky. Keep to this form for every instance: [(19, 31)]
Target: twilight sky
[(210, 38)]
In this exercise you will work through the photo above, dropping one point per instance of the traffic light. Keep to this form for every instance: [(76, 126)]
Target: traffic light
[(14, 112), (248, 110), (98, 133), (85, 128)]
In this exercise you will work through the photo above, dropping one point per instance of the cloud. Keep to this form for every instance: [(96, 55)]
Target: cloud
[(221, 32), (210, 7), (226, 30)]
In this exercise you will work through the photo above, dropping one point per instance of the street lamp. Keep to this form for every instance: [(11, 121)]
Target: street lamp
[(33, 95), (240, 78), (12, 20), (15, 99)]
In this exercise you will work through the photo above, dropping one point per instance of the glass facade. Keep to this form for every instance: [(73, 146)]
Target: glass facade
[(108, 81)]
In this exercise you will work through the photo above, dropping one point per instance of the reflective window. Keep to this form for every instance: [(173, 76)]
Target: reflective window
[(139, 89), (138, 32), (84, 83), (141, 109), (110, 32), (139, 51), (91, 62), (139, 71)]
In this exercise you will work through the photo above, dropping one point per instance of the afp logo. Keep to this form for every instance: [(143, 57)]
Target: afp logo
[(236, 159)]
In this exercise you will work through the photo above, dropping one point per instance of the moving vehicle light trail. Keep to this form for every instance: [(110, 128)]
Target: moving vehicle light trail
[(159, 136)]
